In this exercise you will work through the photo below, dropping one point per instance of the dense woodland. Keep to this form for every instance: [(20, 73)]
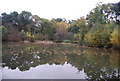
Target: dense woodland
[(99, 28)]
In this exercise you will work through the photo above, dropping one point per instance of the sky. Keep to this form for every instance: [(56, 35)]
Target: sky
[(69, 9)]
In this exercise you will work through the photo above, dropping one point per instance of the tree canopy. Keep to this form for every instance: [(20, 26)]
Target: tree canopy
[(97, 29)]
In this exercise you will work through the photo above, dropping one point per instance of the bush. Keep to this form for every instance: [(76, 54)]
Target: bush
[(76, 37), (23, 35), (30, 37), (97, 36), (4, 33), (42, 37), (59, 37), (115, 37), (69, 36)]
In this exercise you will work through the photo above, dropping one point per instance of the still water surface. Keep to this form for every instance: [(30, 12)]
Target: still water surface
[(57, 61)]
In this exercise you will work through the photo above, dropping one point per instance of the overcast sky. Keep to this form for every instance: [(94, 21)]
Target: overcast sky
[(69, 9)]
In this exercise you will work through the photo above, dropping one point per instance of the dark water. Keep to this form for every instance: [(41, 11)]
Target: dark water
[(55, 61)]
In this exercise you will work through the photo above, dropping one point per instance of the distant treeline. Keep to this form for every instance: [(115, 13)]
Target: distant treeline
[(99, 28)]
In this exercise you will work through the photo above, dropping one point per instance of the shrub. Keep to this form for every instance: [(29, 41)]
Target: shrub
[(32, 38), (28, 36), (76, 37), (23, 35), (69, 36), (3, 33), (115, 37), (59, 37), (42, 37), (97, 36)]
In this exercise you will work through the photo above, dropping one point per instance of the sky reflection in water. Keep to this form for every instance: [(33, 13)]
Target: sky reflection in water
[(58, 62)]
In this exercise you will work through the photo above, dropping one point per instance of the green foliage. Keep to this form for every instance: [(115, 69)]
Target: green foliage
[(41, 37), (23, 19), (73, 28), (76, 37), (58, 20), (115, 37), (97, 36), (61, 31), (23, 35), (30, 37), (4, 33), (69, 36), (77, 26), (99, 14), (110, 27), (116, 9), (10, 18), (96, 29), (47, 29)]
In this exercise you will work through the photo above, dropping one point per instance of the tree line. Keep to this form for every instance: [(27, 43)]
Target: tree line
[(99, 28)]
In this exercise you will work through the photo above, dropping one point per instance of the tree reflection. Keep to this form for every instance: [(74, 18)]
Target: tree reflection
[(98, 64)]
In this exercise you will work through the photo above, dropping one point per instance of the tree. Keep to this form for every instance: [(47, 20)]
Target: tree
[(100, 14), (73, 28), (115, 37), (60, 20), (10, 18), (116, 9), (24, 20), (35, 24), (13, 18), (97, 36), (46, 29), (5, 18), (78, 26), (61, 31)]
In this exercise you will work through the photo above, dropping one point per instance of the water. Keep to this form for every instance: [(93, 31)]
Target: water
[(57, 61)]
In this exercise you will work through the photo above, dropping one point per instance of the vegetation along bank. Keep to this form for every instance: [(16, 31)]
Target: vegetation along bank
[(100, 28)]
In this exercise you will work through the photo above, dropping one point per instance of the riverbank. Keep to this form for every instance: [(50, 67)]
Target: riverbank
[(40, 42), (59, 43)]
